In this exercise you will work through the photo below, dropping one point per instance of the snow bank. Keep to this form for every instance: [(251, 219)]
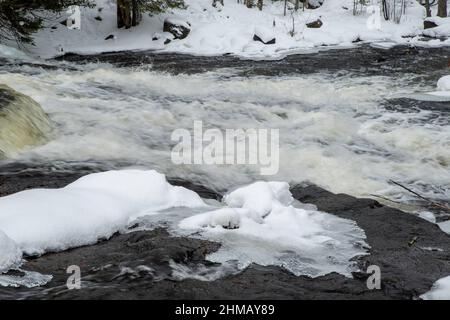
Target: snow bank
[(94, 207), (12, 53), (439, 291), (10, 254), (261, 226), (228, 29), (442, 29)]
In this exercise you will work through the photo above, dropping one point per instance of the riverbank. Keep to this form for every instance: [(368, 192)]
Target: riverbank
[(230, 30), (411, 252)]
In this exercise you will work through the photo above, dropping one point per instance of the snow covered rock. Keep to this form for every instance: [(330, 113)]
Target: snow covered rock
[(179, 28), (264, 35), (437, 27), (315, 4), (315, 24), (10, 254), (93, 207), (444, 83)]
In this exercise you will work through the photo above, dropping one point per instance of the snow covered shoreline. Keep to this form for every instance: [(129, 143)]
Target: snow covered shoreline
[(230, 30)]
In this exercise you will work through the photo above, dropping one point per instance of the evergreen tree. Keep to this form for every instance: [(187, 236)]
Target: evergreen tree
[(20, 18)]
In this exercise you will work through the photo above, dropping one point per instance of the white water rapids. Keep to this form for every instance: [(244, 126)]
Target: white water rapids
[(335, 131)]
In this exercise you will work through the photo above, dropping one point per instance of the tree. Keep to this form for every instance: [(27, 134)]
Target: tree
[(129, 12), (260, 4), (19, 19), (442, 8)]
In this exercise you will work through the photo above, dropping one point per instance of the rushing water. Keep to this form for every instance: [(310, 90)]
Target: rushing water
[(346, 122)]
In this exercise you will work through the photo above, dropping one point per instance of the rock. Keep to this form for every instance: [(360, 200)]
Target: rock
[(315, 24), (427, 24), (23, 123), (165, 37), (110, 37), (178, 28), (315, 4), (264, 35), (115, 267), (98, 18)]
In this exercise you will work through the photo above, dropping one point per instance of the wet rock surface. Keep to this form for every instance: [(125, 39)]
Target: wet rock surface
[(137, 265), (423, 63)]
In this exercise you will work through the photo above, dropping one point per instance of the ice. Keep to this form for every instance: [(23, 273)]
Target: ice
[(439, 291), (260, 226), (92, 208), (30, 279), (10, 254)]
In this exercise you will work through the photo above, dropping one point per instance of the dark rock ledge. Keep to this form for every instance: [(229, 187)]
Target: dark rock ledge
[(407, 270)]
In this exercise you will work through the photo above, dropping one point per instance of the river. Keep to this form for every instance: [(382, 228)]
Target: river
[(349, 120)]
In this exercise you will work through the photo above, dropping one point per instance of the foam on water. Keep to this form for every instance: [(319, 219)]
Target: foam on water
[(334, 131)]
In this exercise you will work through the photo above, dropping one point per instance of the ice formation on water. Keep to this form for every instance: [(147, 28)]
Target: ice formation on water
[(10, 254), (261, 226), (439, 291)]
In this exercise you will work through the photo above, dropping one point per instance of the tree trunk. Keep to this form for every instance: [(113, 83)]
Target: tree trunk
[(297, 5), (428, 8), (128, 13), (137, 15), (260, 4), (442, 8)]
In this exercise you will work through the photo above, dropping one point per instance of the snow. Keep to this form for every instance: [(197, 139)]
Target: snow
[(12, 53), (443, 83), (261, 226), (10, 254), (439, 291), (178, 22), (260, 197), (257, 223), (94, 207), (229, 29), (442, 29)]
